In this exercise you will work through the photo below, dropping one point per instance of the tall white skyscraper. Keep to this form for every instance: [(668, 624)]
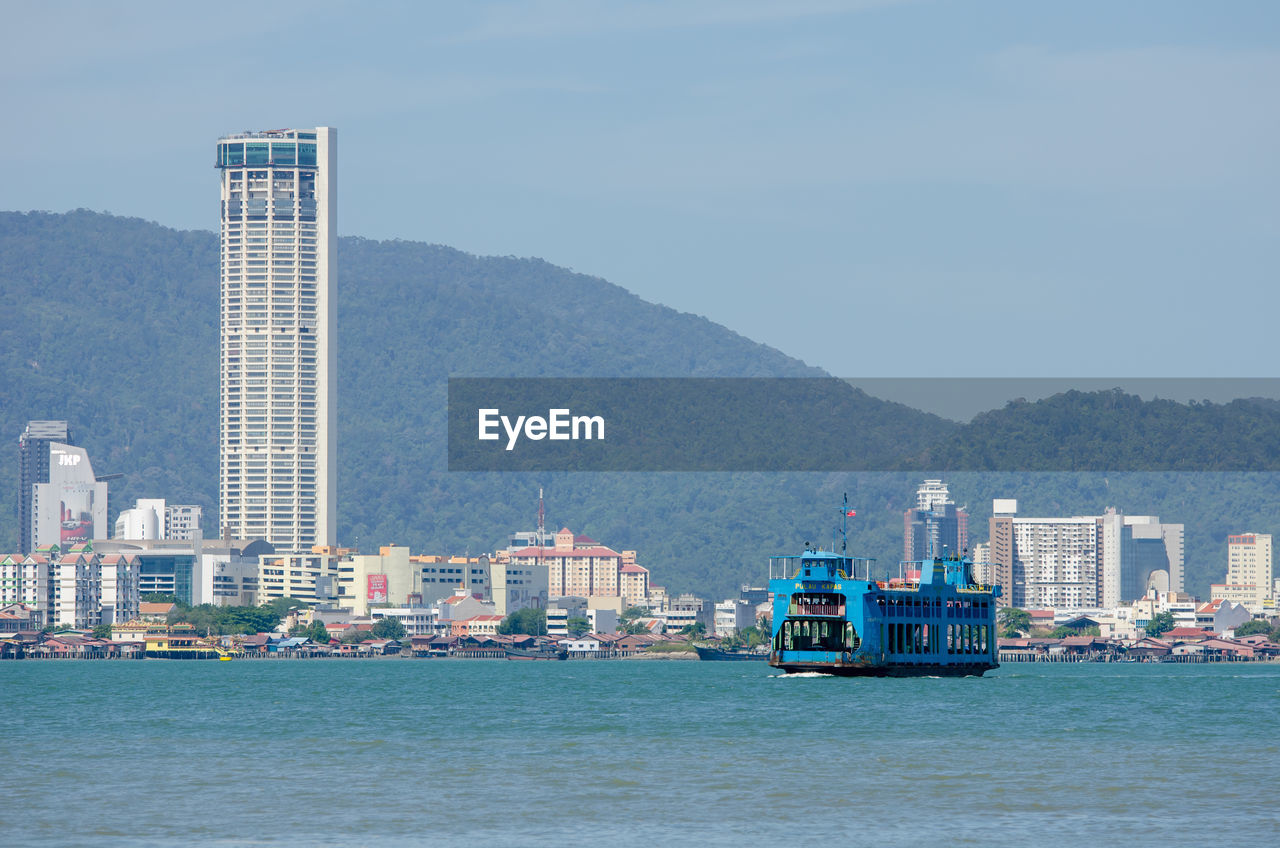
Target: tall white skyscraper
[(279, 241)]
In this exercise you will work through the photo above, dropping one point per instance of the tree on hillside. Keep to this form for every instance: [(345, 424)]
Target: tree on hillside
[(1014, 622), (526, 622)]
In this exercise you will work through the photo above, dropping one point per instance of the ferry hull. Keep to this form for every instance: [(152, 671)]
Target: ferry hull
[(876, 669)]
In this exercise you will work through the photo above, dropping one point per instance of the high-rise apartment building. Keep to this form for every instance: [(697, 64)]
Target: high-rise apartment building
[(935, 526), (279, 242), (1083, 561), (1250, 573), (33, 461), (70, 509)]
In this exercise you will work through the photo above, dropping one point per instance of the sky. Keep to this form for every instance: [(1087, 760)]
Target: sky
[(882, 189)]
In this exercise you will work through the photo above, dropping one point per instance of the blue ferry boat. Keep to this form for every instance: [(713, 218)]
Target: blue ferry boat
[(830, 615)]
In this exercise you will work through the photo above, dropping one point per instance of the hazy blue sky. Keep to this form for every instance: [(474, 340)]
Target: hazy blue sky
[(880, 188)]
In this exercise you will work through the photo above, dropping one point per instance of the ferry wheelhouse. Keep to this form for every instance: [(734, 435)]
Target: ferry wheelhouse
[(831, 616)]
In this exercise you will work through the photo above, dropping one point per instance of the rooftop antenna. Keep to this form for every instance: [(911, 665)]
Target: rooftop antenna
[(542, 526)]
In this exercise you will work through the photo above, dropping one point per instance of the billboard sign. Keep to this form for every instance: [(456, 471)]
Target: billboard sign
[(377, 589)]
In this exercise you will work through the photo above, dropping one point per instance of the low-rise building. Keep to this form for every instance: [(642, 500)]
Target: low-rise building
[(603, 619), (1221, 615), (733, 615), (476, 625)]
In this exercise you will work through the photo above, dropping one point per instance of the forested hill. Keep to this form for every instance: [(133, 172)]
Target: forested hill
[(111, 323), (1113, 431)]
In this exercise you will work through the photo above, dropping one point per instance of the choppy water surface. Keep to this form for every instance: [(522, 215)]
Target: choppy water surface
[(406, 752)]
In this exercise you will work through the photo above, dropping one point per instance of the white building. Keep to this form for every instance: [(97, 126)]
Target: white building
[(1081, 562), (733, 615), (417, 621), (152, 518), (182, 522), (278, 258), (603, 619), (71, 508), (75, 583), (293, 575)]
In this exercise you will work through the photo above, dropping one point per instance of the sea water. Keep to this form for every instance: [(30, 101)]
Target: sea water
[(414, 752)]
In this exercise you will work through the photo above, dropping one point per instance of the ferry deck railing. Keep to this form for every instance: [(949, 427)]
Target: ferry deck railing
[(847, 567)]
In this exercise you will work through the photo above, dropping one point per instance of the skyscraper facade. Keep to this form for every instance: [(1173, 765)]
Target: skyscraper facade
[(1249, 561), (1084, 561), (279, 269), (33, 461), (935, 526)]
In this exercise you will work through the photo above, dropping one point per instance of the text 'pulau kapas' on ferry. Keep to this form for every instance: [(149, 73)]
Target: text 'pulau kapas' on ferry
[(559, 425), (831, 616)]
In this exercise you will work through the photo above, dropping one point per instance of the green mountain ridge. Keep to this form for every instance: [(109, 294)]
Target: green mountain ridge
[(112, 324)]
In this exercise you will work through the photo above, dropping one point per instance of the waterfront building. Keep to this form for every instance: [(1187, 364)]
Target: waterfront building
[(75, 582), (25, 580), (603, 619), (79, 588), (560, 610), (476, 625), (121, 587), (1220, 615), (686, 610), (459, 607), (733, 615), (935, 526), (417, 620), (277, 378), (33, 468), (15, 618)]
